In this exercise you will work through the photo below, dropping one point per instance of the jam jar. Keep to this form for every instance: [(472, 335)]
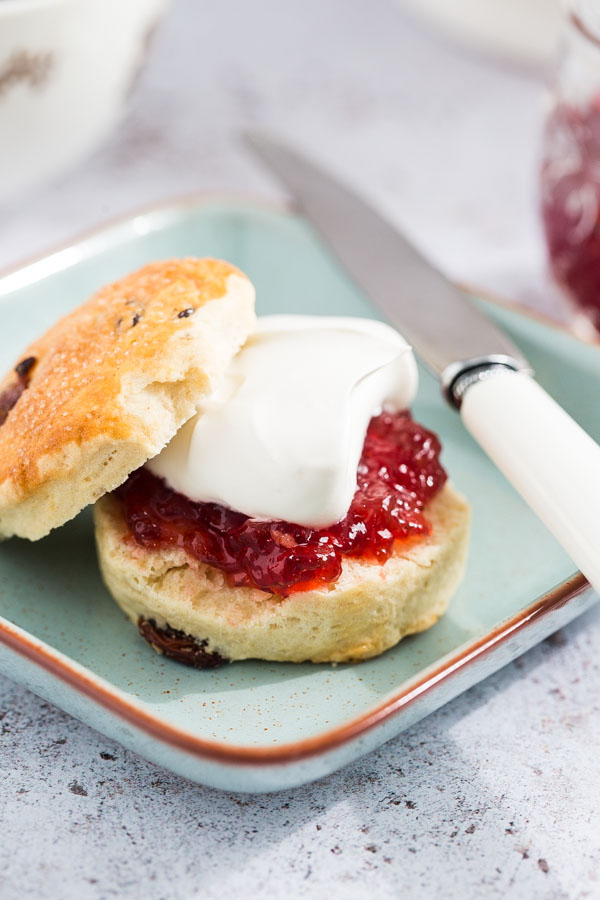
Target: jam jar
[(570, 173)]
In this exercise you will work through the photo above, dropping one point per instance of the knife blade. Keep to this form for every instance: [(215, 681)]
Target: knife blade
[(438, 319), (484, 375)]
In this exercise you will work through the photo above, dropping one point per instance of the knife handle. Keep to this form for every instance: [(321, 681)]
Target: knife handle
[(547, 457)]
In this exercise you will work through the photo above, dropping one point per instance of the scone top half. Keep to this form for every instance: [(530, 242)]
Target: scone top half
[(107, 387)]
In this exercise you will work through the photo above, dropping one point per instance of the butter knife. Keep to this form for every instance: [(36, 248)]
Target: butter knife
[(551, 461)]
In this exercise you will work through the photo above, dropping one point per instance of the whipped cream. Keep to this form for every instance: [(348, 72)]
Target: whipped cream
[(282, 435)]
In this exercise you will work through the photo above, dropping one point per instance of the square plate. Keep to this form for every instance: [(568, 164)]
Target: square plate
[(256, 726)]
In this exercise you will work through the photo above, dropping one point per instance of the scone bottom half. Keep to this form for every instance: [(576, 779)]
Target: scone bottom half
[(109, 385), (189, 612)]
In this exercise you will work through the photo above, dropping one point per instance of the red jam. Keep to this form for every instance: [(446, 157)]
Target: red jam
[(571, 202), (398, 473)]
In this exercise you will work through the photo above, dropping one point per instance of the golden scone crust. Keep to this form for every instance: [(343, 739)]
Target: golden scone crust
[(369, 609), (109, 385)]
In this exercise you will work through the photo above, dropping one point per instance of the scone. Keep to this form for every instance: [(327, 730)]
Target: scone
[(189, 612), (262, 489), (279, 525), (111, 383)]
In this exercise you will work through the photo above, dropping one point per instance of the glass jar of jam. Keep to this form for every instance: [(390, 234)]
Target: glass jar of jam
[(570, 174)]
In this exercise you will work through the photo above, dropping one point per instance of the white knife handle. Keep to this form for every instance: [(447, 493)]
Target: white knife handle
[(548, 458)]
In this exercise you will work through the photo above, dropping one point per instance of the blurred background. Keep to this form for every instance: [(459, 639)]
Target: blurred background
[(432, 109)]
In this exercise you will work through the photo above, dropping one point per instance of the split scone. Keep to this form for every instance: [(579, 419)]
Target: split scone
[(262, 489), (301, 515), (111, 383)]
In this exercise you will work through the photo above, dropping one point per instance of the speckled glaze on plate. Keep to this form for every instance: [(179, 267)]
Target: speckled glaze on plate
[(257, 726)]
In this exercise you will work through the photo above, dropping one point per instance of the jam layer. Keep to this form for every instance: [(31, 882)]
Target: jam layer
[(398, 474)]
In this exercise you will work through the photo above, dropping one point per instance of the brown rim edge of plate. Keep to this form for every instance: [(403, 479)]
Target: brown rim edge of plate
[(273, 204), (217, 751), (527, 312), (354, 728)]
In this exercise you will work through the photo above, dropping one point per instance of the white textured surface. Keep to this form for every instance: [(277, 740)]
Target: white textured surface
[(495, 795)]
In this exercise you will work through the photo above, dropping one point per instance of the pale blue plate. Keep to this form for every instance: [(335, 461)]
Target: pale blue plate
[(257, 726)]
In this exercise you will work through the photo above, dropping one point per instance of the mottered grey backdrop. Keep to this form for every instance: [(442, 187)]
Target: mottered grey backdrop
[(496, 794)]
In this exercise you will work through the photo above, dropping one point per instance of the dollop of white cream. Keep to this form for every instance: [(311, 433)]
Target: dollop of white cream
[(282, 436)]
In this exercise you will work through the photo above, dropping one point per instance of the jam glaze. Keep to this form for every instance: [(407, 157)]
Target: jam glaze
[(398, 474)]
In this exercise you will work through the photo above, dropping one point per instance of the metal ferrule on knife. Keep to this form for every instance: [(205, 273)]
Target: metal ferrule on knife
[(458, 377)]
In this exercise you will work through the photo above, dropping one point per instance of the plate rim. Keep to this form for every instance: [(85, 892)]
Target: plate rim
[(98, 689), (173, 206), (108, 696)]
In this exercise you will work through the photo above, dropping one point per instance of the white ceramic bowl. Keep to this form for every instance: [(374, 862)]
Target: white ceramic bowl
[(66, 67)]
